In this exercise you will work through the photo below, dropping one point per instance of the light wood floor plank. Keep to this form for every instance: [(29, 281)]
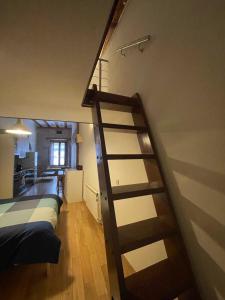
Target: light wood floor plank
[(81, 273)]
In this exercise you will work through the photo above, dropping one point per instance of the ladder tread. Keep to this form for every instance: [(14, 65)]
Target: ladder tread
[(164, 280), (142, 233), (124, 128), (105, 97), (130, 156), (135, 190)]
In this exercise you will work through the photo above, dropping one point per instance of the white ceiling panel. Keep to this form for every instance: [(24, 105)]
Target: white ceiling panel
[(47, 52)]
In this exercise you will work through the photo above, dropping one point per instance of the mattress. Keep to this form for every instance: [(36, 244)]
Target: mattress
[(27, 230)]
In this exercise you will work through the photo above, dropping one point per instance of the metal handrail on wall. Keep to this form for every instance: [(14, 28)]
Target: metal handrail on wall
[(139, 43)]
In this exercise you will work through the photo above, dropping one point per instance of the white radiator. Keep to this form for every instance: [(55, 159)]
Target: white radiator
[(91, 197)]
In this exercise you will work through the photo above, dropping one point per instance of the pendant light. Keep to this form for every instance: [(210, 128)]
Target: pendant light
[(19, 129)]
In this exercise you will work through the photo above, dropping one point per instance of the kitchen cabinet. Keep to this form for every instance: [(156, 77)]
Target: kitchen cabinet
[(73, 185)]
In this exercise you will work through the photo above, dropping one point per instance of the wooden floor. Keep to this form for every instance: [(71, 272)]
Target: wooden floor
[(81, 272)]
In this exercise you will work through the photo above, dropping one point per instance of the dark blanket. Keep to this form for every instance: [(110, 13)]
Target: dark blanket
[(27, 230)]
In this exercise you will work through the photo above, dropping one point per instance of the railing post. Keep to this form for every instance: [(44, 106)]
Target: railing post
[(100, 75)]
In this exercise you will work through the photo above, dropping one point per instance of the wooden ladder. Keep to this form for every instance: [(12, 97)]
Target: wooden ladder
[(171, 277)]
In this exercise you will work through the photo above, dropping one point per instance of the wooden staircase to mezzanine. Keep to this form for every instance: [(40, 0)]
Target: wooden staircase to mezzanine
[(171, 277)]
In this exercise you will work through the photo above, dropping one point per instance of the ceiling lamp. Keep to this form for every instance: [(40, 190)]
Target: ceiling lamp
[(19, 129)]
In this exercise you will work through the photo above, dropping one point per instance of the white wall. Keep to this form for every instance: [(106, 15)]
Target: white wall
[(180, 77), (128, 172), (6, 166), (87, 158)]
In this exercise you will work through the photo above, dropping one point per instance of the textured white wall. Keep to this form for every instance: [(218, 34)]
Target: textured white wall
[(180, 76)]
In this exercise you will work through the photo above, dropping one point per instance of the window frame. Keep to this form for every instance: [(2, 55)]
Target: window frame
[(60, 141)]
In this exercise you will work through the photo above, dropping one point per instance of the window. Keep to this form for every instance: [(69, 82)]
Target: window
[(58, 153)]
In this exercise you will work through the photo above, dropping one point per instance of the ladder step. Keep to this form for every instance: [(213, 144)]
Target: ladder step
[(135, 190), (124, 128), (104, 97), (130, 156), (110, 101), (164, 280), (139, 234)]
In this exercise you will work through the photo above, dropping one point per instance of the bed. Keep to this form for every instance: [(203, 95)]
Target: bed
[(27, 230)]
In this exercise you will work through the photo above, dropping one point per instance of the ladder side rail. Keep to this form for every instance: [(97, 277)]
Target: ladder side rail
[(114, 262)]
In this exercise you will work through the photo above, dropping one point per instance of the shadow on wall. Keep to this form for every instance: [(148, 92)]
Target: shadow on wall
[(205, 233)]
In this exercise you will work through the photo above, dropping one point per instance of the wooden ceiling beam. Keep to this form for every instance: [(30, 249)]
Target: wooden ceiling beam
[(37, 123), (46, 123), (51, 124)]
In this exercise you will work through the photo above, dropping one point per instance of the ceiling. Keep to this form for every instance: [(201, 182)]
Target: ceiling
[(53, 124), (47, 53)]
